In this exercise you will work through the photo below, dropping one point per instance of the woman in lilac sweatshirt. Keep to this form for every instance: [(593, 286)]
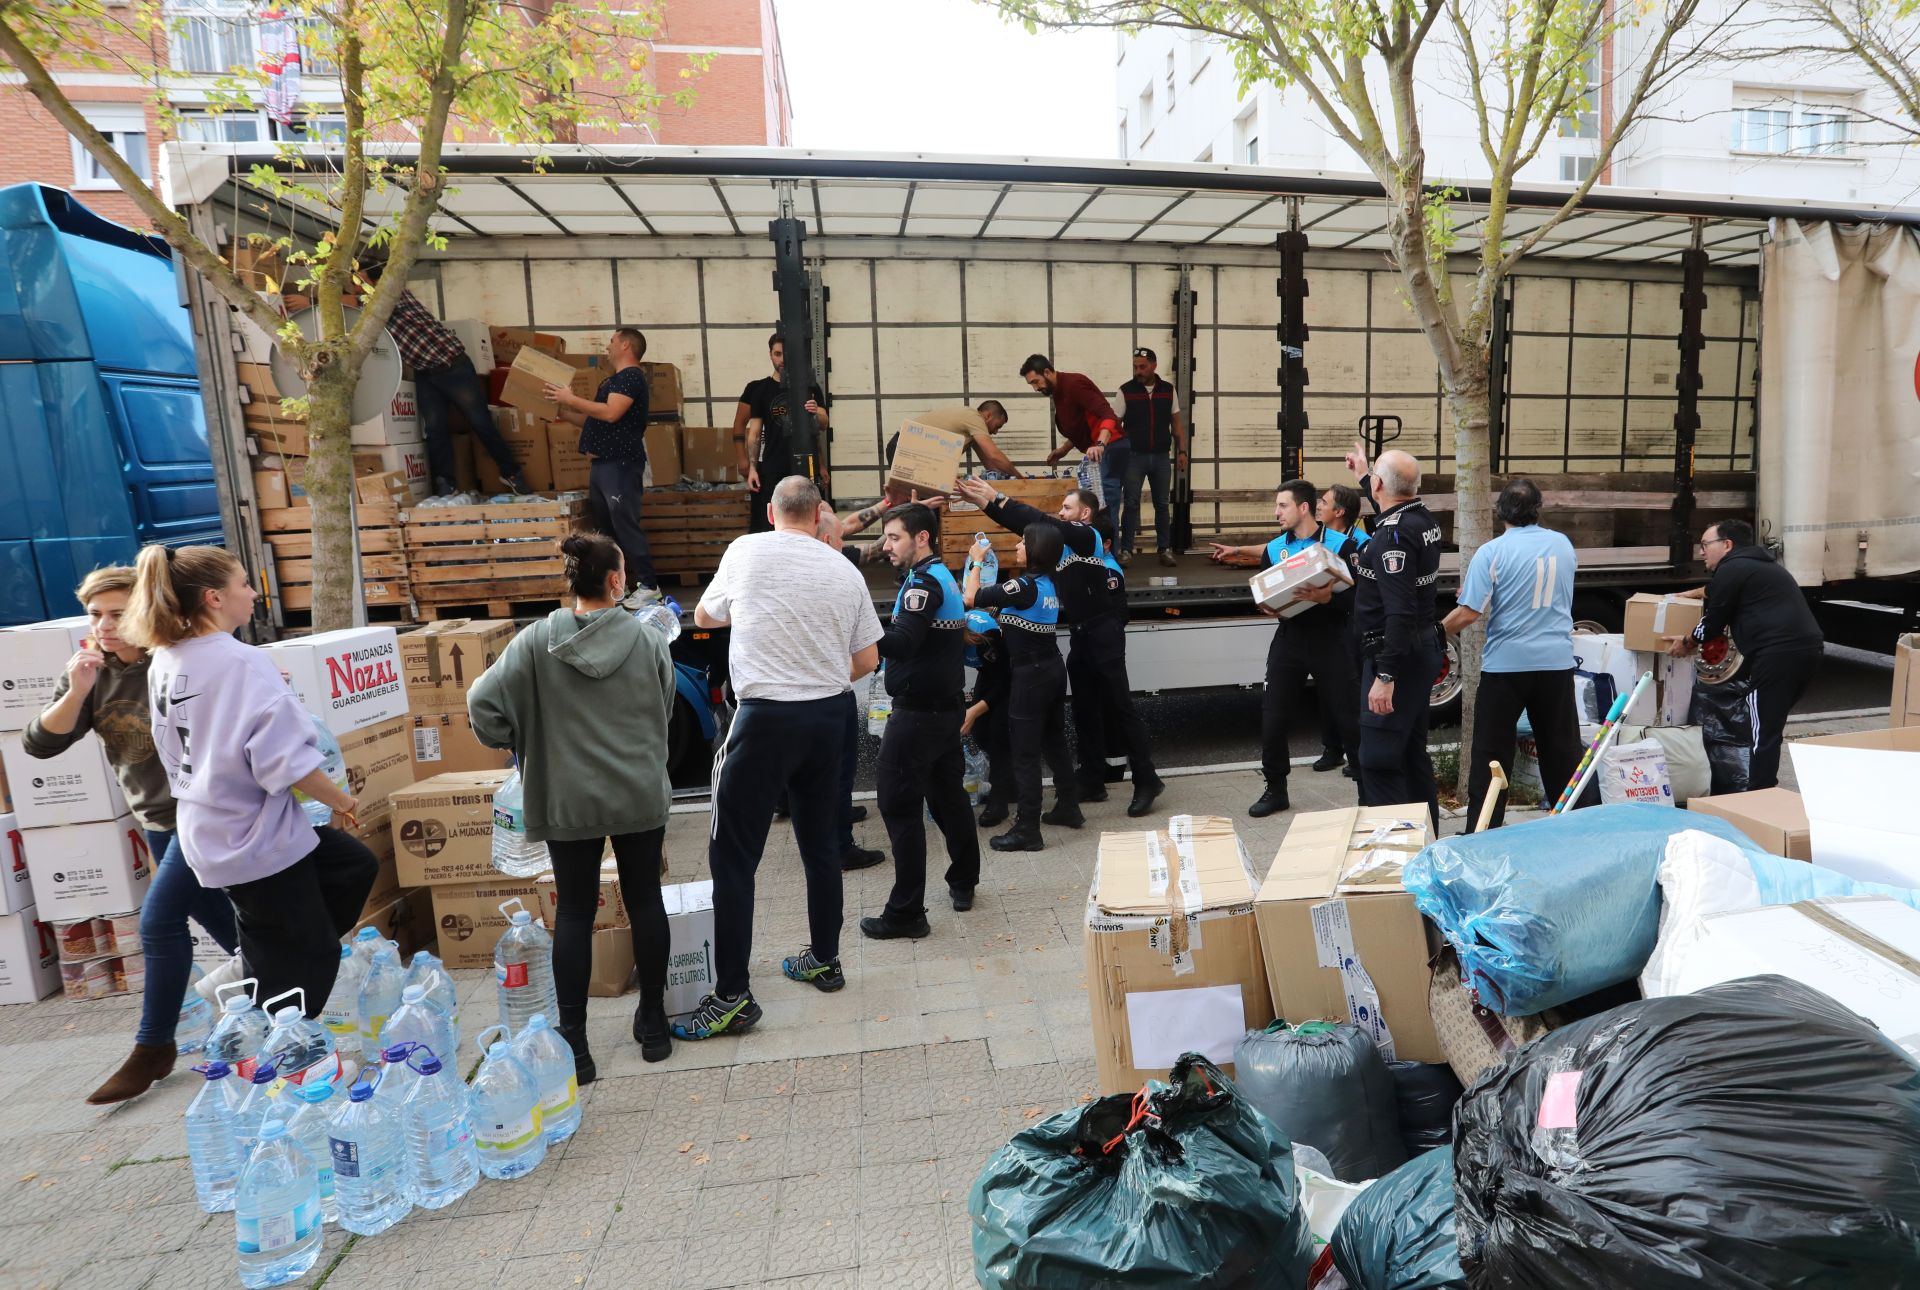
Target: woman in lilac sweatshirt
[(236, 743)]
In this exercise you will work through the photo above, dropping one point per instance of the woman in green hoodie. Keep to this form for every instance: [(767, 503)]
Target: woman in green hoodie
[(582, 699)]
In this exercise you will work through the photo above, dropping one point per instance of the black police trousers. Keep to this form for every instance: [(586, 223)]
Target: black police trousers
[(993, 735), (1037, 727), (921, 761), (1097, 664), (1303, 648), (1394, 765)]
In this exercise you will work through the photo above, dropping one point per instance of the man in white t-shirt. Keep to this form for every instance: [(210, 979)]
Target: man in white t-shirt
[(804, 631)]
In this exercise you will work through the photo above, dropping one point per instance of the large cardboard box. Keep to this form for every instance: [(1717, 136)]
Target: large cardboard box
[(406, 919), (409, 460), (664, 398), (568, 467), (1651, 618), (88, 870), (397, 426), (443, 829), (468, 920), (690, 970), (6, 791), (1173, 956), (16, 889), (709, 455), (476, 338), (509, 341), (1858, 792), (32, 661), (29, 958), (589, 371), (379, 760), (531, 372), (348, 678), (76, 787), (274, 491), (441, 661), (386, 880), (1341, 938), (610, 911), (1905, 709), (927, 459), (526, 438), (1315, 566), (1775, 818), (612, 974), (445, 741), (663, 454)]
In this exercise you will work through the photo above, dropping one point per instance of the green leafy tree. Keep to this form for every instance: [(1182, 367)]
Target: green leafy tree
[(412, 75)]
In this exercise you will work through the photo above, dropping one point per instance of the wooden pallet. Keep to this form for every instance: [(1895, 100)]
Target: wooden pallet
[(538, 607), (383, 563), (962, 519), (492, 554), (687, 533)]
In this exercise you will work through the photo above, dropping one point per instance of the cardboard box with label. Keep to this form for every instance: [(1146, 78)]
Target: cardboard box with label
[(407, 919), (1173, 956), (476, 338), (528, 377), (468, 920), (348, 678), (29, 958), (33, 659), (664, 399), (445, 742), (16, 889), (612, 974), (1342, 939), (709, 455), (928, 459), (526, 438), (569, 468), (690, 970), (408, 460), (609, 911), (509, 341), (379, 761), (443, 829), (1858, 793), (1905, 708), (442, 660), (1315, 566), (663, 454), (1775, 818), (386, 879), (1651, 618), (76, 787), (88, 870), (398, 425)]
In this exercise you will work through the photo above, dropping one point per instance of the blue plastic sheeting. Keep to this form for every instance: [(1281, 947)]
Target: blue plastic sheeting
[(1783, 882)]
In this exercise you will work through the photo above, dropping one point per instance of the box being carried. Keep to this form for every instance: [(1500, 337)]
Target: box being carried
[(926, 459), (531, 372), (76, 787), (1173, 956), (32, 661), (1315, 566), (1650, 619), (348, 678)]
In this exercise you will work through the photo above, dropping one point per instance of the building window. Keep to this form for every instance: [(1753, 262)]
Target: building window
[(1169, 79), (1583, 121), (1199, 54), (1575, 169), (1253, 150), (1784, 123), (222, 127), (125, 127), (211, 37), (1123, 134), (1146, 111)]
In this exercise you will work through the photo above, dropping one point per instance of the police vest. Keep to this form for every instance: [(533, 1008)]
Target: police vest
[(1042, 616), (1288, 545), (952, 614)]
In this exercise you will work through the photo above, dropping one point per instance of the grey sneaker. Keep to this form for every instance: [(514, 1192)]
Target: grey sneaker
[(807, 967)]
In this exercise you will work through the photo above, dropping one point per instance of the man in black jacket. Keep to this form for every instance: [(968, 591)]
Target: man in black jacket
[(1759, 602)]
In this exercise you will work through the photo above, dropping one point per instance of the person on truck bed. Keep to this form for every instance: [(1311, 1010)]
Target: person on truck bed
[(613, 431), (1156, 438), (761, 433), (1760, 604), (1084, 419), (979, 424)]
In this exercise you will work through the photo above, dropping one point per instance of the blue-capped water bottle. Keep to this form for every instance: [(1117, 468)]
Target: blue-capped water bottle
[(506, 1111), (332, 761), (252, 1112), (196, 1016), (541, 1049), (212, 1145), (662, 614), (369, 1160), (379, 996), (989, 563), (277, 1211), (443, 1163), (314, 1106), (397, 1076)]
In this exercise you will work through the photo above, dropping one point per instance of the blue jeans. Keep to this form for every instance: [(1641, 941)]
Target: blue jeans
[(1157, 469), (458, 385), (1113, 478), (173, 896)]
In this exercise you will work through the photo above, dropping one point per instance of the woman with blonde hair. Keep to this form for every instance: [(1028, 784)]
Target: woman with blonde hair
[(235, 744), (105, 692)]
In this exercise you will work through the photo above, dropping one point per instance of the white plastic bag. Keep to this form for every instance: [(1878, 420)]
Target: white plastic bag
[(1635, 773), (1686, 752), (1324, 1199)]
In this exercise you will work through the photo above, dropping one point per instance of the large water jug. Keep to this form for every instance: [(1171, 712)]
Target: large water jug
[(523, 969), (506, 1111), (302, 1048), (513, 854), (196, 1016), (662, 613), (369, 1161), (332, 761), (418, 1021), (277, 1211), (443, 1162), (242, 1028), (212, 1145), (541, 1049), (427, 970), (314, 1106), (365, 942), (253, 1108), (341, 1016), (1087, 475), (989, 564), (379, 996), (397, 1076)]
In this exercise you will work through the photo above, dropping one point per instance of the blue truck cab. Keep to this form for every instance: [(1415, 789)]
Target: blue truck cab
[(103, 440)]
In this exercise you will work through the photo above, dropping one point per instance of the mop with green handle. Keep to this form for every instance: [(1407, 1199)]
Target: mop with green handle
[(1590, 763)]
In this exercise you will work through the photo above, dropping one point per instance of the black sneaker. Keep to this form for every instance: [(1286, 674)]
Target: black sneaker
[(962, 899), (1145, 793), (860, 858), (859, 814), (716, 1016), (517, 485), (886, 929), (1330, 760), (1018, 838), (1351, 772), (1271, 802), (820, 975), (1065, 814), (993, 815)]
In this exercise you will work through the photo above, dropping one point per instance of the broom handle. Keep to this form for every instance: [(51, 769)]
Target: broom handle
[(1590, 764), (1496, 785)]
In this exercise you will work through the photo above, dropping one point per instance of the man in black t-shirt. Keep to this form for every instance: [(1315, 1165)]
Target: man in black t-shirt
[(613, 431), (760, 431)]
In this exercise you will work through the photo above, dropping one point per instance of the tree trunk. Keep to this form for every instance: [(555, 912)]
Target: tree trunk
[(329, 485), (1469, 399)]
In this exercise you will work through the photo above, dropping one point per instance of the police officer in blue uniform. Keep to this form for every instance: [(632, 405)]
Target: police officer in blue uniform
[(1029, 608), (922, 662), (1311, 643), (988, 713)]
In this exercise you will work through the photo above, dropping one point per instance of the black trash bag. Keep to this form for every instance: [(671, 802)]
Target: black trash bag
[(1325, 1084), (1426, 1092), (1756, 1134), (1182, 1185), (1725, 718), (1398, 1234)]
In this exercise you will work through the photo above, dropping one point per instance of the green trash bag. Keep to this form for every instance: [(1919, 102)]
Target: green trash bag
[(1181, 1185), (1398, 1234)]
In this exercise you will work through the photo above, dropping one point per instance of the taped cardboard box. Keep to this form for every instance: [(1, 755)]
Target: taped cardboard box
[(348, 678), (568, 467), (1173, 955), (273, 491), (379, 762), (468, 920), (88, 870), (613, 971), (33, 659), (445, 741), (926, 458), (690, 972), (441, 661), (1905, 709), (528, 377), (1341, 938), (609, 910), (76, 787), (443, 829), (663, 454), (1315, 566), (709, 455), (509, 341), (1651, 618), (664, 399), (1775, 818)]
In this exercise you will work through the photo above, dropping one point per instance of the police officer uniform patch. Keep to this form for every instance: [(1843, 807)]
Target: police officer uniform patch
[(915, 600), (1393, 561), (1010, 587)]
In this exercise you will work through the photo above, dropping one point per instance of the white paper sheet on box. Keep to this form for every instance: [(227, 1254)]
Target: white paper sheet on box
[(1163, 1024), (1860, 815)]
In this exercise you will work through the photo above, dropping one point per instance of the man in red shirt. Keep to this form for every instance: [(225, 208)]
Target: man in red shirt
[(1081, 412)]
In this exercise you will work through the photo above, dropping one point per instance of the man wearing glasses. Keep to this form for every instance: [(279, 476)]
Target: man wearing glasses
[(1761, 604)]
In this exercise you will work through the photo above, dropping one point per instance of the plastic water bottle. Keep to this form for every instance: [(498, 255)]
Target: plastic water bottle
[(443, 1163), (236, 1037), (523, 969), (313, 1109), (663, 615), (418, 1021), (365, 942), (989, 567), (427, 970), (252, 1112), (341, 1016), (212, 1145), (1087, 475), (369, 1161), (542, 1051), (196, 1017), (302, 1048), (506, 1112), (379, 996), (334, 762), (973, 777), (277, 1211), (513, 854), (879, 708)]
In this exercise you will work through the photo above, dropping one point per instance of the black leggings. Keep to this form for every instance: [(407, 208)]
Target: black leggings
[(291, 922), (576, 889)]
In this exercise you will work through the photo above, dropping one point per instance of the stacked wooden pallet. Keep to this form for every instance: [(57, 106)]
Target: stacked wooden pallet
[(688, 532), (494, 555), (383, 561), (963, 520)]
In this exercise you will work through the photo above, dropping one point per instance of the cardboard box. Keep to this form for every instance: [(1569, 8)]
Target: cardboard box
[(388, 488), (664, 398), (29, 964), (476, 338), (272, 490), (1775, 818), (1858, 792), (88, 870), (611, 910), (509, 341), (526, 438), (468, 920), (531, 372), (568, 467), (443, 829), (442, 660), (1905, 708), (1650, 618), (77, 787), (927, 459), (379, 761), (386, 882), (16, 890), (348, 678), (1314, 566), (708, 454), (407, 919), (1173, 955), (6, 791), (399, 425), (612, 974), (409, 460), (1341, 938), (663, 454), (259, 382), (690, 970), (444, 741), (33, 659)]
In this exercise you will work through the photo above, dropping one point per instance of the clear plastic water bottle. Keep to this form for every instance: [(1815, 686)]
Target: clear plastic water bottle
[(196, 1017), (418, 1021), (332, 761), (341, 1016), (427, 970), (973, 777), (369, 1161), (236, 1037), (879, 709), (314, 1106), (379, 996), (989, 567), (506, 1111), (277, 1211), (302, 1048), (523, 969), (1087, 475), (513, 854), (542, 1051), (212, 1145), (365, 942), (252, 1111), (662, 613), (443, 1162)]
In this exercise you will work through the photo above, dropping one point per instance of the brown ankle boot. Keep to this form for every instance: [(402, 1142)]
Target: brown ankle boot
[(149, 1064)]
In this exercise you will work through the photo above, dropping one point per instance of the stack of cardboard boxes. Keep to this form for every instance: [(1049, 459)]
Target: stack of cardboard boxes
[(439, 664)]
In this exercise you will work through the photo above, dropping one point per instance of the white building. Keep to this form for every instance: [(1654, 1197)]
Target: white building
[(1755, 127)]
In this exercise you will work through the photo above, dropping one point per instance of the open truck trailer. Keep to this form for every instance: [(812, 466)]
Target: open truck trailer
[(1628, 346)]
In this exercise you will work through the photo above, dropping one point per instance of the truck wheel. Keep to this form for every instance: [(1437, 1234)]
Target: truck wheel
[(1444, 703)]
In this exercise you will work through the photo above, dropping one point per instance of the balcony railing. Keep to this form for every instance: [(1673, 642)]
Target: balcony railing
[(215, 43)]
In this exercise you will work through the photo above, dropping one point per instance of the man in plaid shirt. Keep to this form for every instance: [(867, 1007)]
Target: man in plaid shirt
[(443, 375)]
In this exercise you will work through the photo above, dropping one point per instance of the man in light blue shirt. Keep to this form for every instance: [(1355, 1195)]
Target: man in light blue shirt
[(1522, 584)]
